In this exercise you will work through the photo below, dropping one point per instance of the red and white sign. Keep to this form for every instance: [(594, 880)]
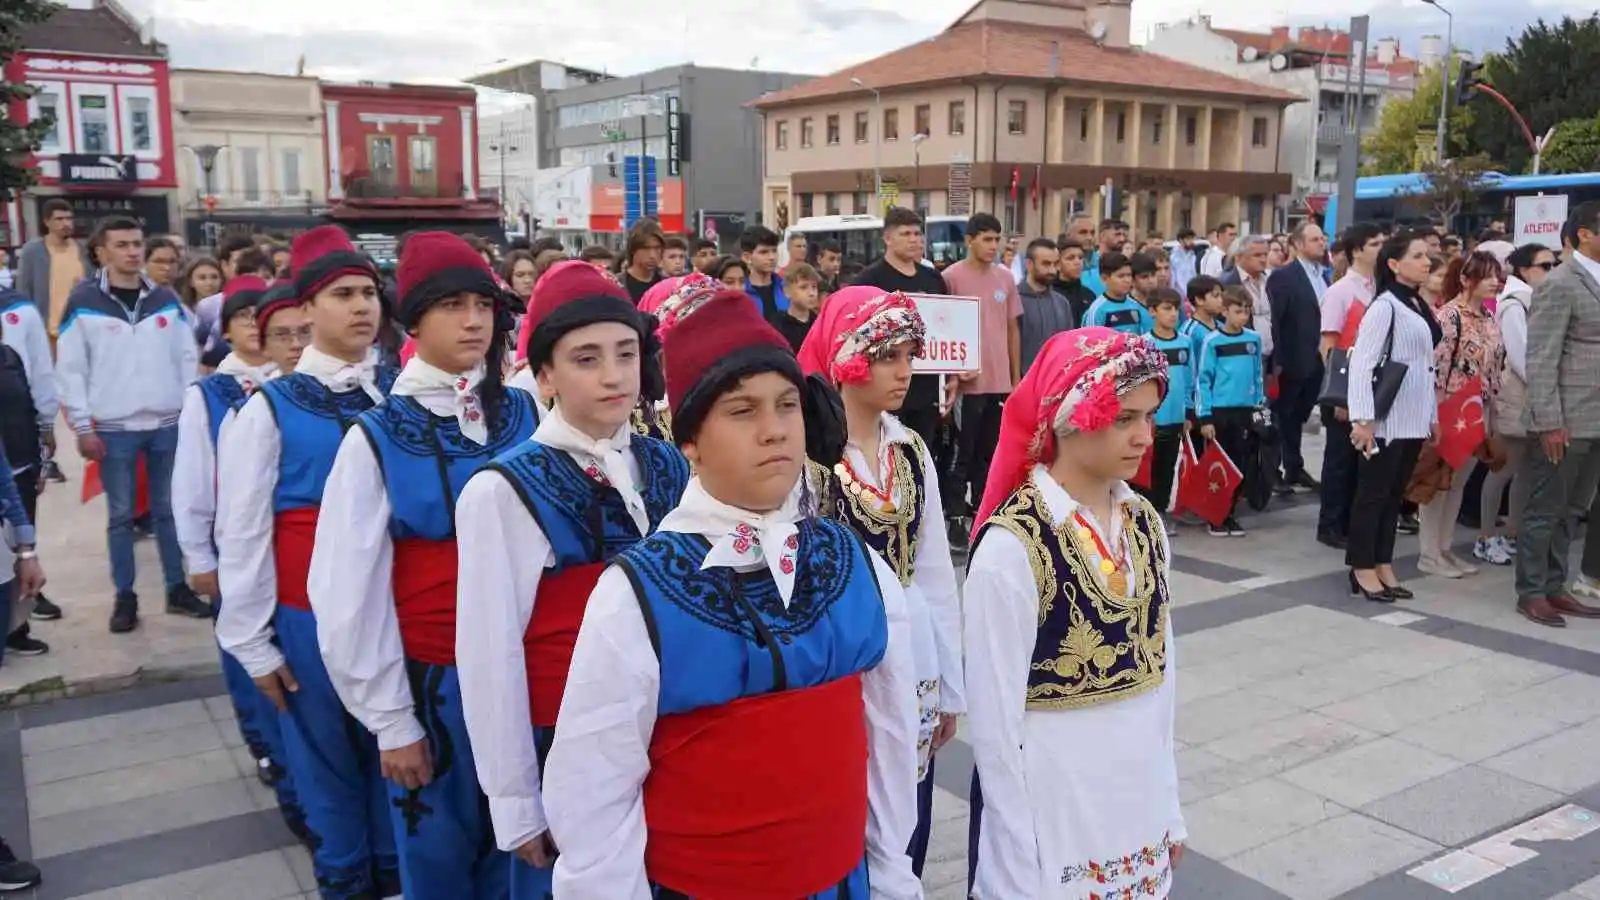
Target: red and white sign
[(955, 330), (1539, 220)]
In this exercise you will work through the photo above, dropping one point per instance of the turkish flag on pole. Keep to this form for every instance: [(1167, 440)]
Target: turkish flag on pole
[(93, 488), (1033, 189), (1142, 478), (1207, 488), (1016, 179), (1461, 428), (1186, 464)]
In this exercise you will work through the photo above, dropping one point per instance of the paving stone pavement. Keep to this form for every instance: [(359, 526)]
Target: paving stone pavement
[(1328, 748)]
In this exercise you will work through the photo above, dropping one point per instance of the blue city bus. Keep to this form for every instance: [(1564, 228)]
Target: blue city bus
[(1403, 199)]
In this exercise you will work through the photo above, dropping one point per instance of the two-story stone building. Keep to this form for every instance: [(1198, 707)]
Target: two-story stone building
[(1031, 109)]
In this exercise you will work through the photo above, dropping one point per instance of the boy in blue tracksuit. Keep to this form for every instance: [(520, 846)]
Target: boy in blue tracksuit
[(1231, 387), (1116, 308), (1205, 305), (1176, 412)]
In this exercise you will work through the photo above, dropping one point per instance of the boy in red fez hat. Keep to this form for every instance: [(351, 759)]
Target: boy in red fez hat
[(273, 464), (539, 524), (741, 633), (383, 575), (207, 405), (1069, 684)]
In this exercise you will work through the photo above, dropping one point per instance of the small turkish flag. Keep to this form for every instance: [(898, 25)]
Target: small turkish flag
[(1207, 488), (1461, 427), (1141, 478)]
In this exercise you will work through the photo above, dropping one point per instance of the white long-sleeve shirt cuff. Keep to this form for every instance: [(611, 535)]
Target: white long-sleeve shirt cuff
[(247, 479), (194, 485), (494, 604), (935, 578), (889, 692), (351, 589)]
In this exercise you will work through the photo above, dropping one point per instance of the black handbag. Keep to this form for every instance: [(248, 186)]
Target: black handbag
[(1387, 375), (1336, 379)]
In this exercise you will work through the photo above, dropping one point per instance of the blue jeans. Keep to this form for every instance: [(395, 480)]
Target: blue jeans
[(119, 473)]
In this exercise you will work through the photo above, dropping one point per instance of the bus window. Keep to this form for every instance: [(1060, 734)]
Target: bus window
[(945, 241)]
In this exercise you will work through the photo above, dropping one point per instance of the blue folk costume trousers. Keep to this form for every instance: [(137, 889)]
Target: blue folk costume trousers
[(258, 725), (334, 761), (442, 830), (530, 882)]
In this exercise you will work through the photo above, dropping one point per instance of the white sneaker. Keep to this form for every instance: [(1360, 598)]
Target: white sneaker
[(1492, 551), (1586, 587), (1440, 568)]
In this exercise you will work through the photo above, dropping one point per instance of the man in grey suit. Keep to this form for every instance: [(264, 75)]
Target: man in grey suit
[(1564, 411)]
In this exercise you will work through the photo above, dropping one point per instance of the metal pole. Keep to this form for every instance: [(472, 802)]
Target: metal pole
[(1350, 140), (877, 152), (1444, 82)]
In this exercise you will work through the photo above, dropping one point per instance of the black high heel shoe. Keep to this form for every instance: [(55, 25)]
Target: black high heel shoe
[(1381, 596), (1396, 591)]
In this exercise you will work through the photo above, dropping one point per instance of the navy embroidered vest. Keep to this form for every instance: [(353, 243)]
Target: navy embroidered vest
[(311, 422), (221, 393), (653, 422), (1092, 647), (721, 635), (892, 534), (426, 461), (584, 520)]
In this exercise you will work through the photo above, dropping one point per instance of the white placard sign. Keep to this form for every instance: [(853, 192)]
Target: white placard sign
[(955, 328), (1539, 220)]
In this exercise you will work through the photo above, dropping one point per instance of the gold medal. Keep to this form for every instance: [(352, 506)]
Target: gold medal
[(1117, 584), (1107, 567)]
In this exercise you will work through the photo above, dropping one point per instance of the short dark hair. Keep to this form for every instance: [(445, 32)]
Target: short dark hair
[(704, 244), (596, 253), (1223, 226), (1113, 225), (546, 245), (1522, 258), (1237, 296), (829, 245), (1143, 264), (1395, 248), (1070, 247), (675, 242), (900, 217), (1356, 236), (1490, 234), (800, 270), (1111, 262), (1201, 285), (232, 244), (159, 243), (982, 223), (724, 263), (55, 205), (253, 260), (1185, 233), (756, 237), (97, 238), (1165, 296), (1585, 216), (1040, 244)]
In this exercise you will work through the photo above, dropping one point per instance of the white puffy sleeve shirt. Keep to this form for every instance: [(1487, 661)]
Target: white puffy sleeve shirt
[(194, 485), (247, 477), (594, 780)]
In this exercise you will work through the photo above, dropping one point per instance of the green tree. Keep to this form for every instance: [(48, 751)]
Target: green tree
[(18, 139), (1454, 185), (1547, 73), (1574, 147), (1392, 147)]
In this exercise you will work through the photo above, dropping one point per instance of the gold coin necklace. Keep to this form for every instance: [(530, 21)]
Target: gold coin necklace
[(1112, 567)]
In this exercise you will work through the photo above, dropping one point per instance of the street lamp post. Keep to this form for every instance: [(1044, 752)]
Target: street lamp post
[(1444, 78), (877, 143), (206, 155), (502, 147)]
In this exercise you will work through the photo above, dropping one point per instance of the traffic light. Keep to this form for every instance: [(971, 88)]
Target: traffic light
[(1467, 81)]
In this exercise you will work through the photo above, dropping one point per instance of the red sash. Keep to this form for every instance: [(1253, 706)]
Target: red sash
[(294, 531), (552, 633), (425, 599), (722, 827)]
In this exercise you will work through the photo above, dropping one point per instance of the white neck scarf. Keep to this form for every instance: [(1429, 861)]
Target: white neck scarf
[(741, 539), (249, 377), (340, 376), (605, 460), (446, 394)]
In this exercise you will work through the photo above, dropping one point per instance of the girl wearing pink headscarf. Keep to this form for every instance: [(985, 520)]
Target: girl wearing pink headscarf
[(886, 488), (1068, 639)]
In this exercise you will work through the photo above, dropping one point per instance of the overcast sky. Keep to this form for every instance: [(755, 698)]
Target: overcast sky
[(434, 40)]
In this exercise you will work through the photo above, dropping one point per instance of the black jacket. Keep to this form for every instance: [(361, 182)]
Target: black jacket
[(1296, 322)]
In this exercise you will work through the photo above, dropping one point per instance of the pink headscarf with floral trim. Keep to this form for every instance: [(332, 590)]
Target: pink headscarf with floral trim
[(658, 293), (1076, 383), (857, 326), (691, 293)]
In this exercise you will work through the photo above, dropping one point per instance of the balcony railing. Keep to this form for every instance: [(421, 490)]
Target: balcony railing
[(367, 187), (270, 200)]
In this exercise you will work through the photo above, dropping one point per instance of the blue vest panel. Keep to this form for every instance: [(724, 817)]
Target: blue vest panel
[(585, 521), (426, 461), (312, 421), (721, 635), (220, 393)]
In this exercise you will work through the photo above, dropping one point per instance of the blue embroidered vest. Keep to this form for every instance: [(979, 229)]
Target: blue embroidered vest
[(721, 635), (1092, 647), (584, 520), (221, 393), (312, 420), (426, 461), (892, 534)]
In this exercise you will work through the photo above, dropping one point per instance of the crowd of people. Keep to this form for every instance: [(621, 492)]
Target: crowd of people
[(525, 569)]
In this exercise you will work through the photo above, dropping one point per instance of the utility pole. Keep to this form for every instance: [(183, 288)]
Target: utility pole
[(1350, 140), (1444, 80)]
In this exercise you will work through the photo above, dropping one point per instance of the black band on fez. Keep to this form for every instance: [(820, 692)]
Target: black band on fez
[(238, 303), (576, 314), (445, 283), (313, 276), (725, 374)]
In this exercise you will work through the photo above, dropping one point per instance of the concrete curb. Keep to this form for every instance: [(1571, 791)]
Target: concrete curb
[(57, 688)]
